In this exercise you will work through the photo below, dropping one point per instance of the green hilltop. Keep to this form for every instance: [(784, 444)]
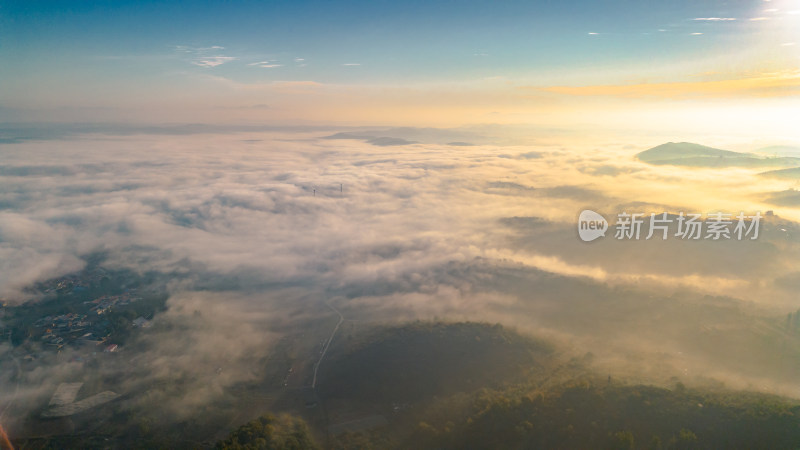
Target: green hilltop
[(688, 154)]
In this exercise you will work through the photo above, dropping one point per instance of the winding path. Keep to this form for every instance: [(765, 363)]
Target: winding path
[(327, 344)]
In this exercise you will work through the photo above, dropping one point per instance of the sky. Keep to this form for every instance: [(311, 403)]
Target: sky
[(403, 63)]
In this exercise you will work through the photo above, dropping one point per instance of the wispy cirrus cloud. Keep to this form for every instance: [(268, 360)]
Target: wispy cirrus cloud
[(715, 19), (213, 61), (207, 57), (196, 50), (266, 64), (282, 86)]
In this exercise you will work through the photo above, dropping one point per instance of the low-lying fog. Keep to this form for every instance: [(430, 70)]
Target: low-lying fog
[(402, 224)]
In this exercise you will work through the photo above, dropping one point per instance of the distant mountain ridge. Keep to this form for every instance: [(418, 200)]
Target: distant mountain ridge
[(780, 150), (689, 154), (783, 174)]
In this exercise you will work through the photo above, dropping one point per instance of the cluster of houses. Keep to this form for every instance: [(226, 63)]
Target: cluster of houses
[(72, 327), (86, 329), (106, 302), (73, 283)]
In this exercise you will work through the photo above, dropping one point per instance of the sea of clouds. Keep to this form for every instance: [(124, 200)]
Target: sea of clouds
[(264, 226)]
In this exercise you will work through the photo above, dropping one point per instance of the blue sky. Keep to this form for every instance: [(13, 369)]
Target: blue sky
[(76, 54)]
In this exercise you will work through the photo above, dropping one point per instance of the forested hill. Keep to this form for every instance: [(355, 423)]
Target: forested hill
[(421, 360), (480, 386), (593, 415)]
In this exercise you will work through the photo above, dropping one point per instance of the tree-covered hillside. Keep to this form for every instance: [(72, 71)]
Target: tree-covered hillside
[(423, 359), (284, 432), (593, 415)]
